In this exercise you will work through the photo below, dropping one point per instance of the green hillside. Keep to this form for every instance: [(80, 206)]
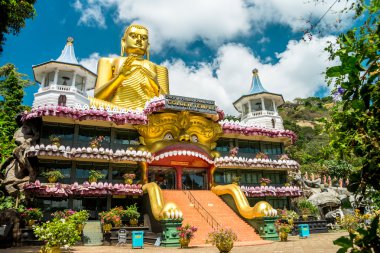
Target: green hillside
[(305, 117)]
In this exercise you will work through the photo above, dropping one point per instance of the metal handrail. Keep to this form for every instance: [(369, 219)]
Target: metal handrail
[(206, 215)]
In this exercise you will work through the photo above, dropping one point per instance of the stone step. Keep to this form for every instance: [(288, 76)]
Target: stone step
[(216, 207), (92, 234)]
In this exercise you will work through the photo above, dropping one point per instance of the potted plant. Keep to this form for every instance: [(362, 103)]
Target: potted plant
[(106, 218), (55, 140), (223, 239), (264, 181), (62, 214), (307, 208), (261, 155), (186, 233), (234, 151), (292, 215), (94, 175), (235, 180), (283, 229), (133, 214), (31, 215), (53, 175), (128, 178), (55, 234), (79, 219), (283, 157), (96, 141)]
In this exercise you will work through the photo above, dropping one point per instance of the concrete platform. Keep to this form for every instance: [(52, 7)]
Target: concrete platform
[(317, 243)]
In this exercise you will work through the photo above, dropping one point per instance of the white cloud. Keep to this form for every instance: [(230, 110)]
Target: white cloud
[(298, 73), (213, 21), (91, 14)]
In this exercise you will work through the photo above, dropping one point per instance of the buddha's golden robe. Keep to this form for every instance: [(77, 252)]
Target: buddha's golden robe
[(142, 81)]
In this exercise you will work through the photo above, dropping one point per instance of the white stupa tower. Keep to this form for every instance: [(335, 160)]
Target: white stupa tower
[(63, 81), (259, 107)]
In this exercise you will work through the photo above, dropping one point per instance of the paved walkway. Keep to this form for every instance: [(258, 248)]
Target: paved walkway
[(317, 243)]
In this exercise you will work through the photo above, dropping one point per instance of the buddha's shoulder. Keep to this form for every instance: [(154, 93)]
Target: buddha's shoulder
[(112, 60)]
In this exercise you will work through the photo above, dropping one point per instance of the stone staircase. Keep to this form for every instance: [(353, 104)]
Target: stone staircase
[(225, 216), (190, 215), (92, 233), (216, 207)]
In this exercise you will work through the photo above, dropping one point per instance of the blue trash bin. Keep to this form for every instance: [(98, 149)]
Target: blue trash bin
[(137, 239), (303, 230)]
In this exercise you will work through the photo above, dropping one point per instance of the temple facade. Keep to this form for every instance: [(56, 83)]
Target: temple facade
[(179, 143)]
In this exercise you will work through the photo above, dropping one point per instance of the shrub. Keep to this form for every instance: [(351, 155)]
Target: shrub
[(222, 235), (57, 233)]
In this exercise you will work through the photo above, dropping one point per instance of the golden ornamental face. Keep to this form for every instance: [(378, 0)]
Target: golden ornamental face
[(136, 41), (166, 131)]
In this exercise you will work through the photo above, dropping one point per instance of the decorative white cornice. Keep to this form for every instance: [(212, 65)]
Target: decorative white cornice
[(228, 161)]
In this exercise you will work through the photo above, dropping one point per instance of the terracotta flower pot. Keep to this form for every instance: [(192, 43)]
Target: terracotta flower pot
[(283, 236), (52, 179), (31, 223), (225, 247), (80, 228), (92, 179), (57, 143), (107, 228), (133, 222), (128, 181), (184, 242)]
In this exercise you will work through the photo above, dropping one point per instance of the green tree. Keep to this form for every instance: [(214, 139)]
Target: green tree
[(12, 17), (12, 86), (355, 121)]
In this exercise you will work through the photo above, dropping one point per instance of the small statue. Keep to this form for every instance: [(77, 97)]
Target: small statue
[(129, 82), (306, 176), (324, 179), (340, 182), (312, 176), (329, 181)]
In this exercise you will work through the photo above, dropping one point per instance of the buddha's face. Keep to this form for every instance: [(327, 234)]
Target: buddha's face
[(136, 41)]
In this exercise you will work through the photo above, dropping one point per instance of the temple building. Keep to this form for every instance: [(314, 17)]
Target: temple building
[(183, 145)]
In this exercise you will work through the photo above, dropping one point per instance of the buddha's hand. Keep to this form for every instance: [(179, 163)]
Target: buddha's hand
[(151, 88), (126, 68)]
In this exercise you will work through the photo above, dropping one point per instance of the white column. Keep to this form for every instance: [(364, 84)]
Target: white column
[(262, 104), (84, 85), (55, 82), (274, 106), (42, 81), (73, 88)]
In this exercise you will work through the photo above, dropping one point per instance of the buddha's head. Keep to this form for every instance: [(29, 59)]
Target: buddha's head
[(135, 40)]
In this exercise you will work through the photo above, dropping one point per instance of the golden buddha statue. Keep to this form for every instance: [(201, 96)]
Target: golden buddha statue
[(128, 82)]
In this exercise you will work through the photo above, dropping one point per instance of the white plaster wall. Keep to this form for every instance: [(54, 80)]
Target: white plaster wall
[(50, 97), (265, 121)]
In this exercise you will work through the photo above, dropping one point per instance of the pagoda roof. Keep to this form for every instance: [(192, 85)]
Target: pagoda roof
[(68, 53), (256, 86)]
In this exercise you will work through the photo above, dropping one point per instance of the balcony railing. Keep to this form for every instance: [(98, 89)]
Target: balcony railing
[(64, 88), (260, 113)]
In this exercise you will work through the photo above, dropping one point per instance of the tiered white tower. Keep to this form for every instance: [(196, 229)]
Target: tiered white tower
[(63, 81), (259, 107)]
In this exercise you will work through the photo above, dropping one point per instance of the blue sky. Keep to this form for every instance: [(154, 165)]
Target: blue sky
[(209, 47)]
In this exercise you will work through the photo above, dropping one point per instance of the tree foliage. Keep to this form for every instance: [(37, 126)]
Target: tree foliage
[(12, 86), (12, 16), (355, 120)]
